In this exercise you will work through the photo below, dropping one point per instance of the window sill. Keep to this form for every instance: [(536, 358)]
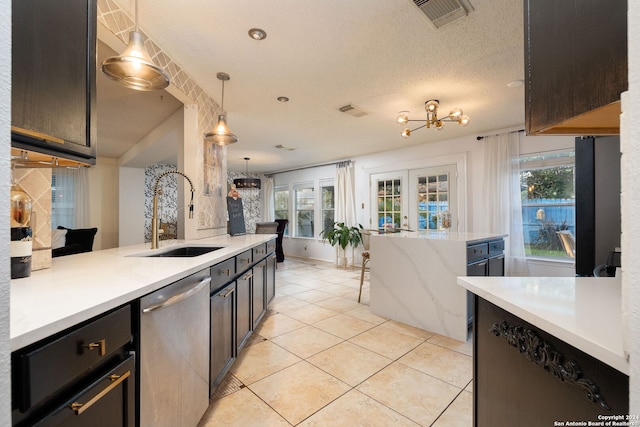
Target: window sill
[(551, 260)]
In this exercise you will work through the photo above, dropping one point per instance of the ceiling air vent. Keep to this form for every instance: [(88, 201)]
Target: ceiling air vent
[(441, 12), (352, 110)]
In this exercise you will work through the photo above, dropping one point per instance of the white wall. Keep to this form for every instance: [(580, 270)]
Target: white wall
[(5, 273), (413, 157), (131, 206), (631, 204), (103, 202)]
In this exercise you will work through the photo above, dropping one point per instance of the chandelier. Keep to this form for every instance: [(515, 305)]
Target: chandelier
[(431, 107)]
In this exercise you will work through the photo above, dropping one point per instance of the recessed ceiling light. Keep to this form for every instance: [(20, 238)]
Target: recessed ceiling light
[(515, 83), (283, 99), (257, 34)]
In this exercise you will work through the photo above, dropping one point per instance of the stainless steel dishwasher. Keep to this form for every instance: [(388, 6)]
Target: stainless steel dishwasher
[(174, 353)]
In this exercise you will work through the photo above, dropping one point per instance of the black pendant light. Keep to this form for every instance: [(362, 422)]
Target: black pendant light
[(134, 68), (247, 182)]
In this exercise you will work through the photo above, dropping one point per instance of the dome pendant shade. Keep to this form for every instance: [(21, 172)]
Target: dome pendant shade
[(221, 134), (134, 68)]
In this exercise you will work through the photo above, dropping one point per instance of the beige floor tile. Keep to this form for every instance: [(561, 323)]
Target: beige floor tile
[(386, 342), (365, 314), (339, 304), (403, 328), (307, 341), (259, 360), (299, 391), (337, 289), (413, 394), (447, 365), (285, 304), (278, 324), (242, 409), (459, 413), (344, 326), (289, 289), (459, 346), (311, 314), (349, 362), (313, 296), (336, 278), (356, 409)]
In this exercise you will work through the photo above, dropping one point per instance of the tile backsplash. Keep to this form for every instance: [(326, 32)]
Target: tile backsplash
[(37, 183)]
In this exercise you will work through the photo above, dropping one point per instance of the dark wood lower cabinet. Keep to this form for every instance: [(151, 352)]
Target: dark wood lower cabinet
[(524, 376), (223, 349), (270, 278), (243, 313), (258, 302)]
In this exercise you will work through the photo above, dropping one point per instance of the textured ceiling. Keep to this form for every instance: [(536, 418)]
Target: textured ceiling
[(383, 56)]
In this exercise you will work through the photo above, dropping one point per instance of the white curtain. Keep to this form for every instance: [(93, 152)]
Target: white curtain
[(345, 209), (268, 201), (503, 207), (71, 204)]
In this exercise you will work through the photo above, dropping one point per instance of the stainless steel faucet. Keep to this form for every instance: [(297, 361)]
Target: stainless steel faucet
[(155, 240)]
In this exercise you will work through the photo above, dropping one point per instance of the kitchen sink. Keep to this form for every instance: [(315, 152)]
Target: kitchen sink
[(182, 251)]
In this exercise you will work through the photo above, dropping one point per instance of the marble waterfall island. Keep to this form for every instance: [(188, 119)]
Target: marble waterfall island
[(414, 277)]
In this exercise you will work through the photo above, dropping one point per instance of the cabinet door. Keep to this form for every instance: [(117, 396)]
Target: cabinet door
[(222, 333), (496, 266), (258, 305), (478, 268), (270, 278), (53, 76), (243, 309)]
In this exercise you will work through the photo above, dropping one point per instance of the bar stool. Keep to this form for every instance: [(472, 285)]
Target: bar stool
[(366, 234)]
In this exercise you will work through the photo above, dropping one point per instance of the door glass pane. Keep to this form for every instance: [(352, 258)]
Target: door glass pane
[(433, 199), (389, 203)]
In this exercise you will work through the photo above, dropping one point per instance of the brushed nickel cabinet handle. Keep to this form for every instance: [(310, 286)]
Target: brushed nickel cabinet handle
[(79, 408), (229, 292), (101, 345)]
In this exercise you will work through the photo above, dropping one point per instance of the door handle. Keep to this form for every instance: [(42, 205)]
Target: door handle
[(101, 345), (79, 408)]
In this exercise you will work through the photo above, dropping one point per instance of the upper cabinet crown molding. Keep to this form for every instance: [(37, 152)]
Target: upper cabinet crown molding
[(575, 66)]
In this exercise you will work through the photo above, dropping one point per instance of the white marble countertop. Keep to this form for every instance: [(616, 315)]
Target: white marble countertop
[(585, 312), (441, 235), (79, 287)]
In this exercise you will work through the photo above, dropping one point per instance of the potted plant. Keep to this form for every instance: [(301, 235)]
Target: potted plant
[(342, 235)]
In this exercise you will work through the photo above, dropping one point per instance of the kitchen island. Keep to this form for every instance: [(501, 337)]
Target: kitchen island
[(548, 350), (413, 277)]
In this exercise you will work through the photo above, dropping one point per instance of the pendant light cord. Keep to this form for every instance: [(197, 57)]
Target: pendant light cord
[(222, 106), (135, 17)]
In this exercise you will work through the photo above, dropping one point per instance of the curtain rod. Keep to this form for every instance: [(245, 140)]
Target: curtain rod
[(345, 162), (514, 130)]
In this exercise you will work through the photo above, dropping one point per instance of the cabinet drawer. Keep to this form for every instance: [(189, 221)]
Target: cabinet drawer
[(222, 273), (244, 261), (260, 251), (476, 252), (271, 246), (49, 367), (496, 247), (480, 268)]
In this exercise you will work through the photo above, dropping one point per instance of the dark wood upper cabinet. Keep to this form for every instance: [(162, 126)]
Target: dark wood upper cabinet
[(575, 66), (53, 96)]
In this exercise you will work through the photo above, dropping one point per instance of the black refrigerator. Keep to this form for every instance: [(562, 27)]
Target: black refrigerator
[(597, 184)]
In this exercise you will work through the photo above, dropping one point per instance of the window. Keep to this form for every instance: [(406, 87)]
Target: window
[(328, 205), (62, 199), (548, 202), (282, 206), (304, 210), (389, 203)]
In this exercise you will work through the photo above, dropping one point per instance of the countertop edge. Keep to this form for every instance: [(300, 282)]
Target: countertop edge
[(611, 355)]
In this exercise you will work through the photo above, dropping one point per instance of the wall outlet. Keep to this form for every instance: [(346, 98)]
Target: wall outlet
[(304, 247)]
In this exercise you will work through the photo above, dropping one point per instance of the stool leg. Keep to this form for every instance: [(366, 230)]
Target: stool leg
[(365, 260)]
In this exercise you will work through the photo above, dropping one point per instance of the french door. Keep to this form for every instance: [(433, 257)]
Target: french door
[(415, 199), (432, 192)]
